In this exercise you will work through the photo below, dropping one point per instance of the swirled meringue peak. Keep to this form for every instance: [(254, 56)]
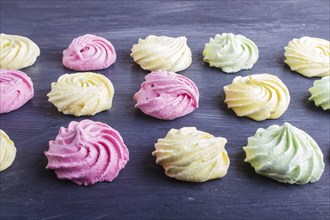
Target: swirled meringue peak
[(17, 52), (87, 152), (16, 88), (191, 155), (82, 93), (7, 151), (258, 96), (309, 56), (89, 52), (167, 95), (286, 154), (320, 92), (162, 53), (230, 52)]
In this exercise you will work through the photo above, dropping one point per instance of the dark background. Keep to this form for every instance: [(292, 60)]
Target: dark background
[(142, 191)]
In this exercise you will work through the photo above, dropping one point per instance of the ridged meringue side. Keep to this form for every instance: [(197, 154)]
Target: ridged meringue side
[(162, 53), (87, 152), (7, 151), (89, 52), (167, 95), (309, 56), (16, 88), (258, 96), (17, 52), (320, 92), (81, 93), (230, 52), (286, 154), (191, 155)]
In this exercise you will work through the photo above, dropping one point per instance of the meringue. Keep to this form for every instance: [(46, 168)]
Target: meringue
[(230, 52), (309, 56), (320, 92), (191, 155), (162, 53), (17, 52), (16, 88), (7, 151), (89, 52), (87, 152), (81, 93), (286, 154), (167, 95), (258, 96)]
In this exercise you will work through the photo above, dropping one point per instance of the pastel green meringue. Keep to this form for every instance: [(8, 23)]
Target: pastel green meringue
[(286, 154), (230, 52), (191, 155), (309, 56), (320, 93)]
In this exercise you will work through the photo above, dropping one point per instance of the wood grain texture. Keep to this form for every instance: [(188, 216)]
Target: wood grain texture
[(142, 191)]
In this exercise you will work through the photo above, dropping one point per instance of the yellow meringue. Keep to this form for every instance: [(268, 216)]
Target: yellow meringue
[(162, 53), (82, 93), (7, 151), (309, 56), (17, 52), (258, 96), (191, 155)]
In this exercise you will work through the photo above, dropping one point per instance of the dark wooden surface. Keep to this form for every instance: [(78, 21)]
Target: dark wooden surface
[(142, 191)]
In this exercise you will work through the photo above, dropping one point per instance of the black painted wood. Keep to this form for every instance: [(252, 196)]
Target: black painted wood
[(142, 191)]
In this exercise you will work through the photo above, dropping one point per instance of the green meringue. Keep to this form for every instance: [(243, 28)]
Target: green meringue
[(230, 52), (321, 92), (286, 154)]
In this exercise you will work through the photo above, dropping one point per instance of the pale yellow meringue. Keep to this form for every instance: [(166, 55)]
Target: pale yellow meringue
[(7, 151), (82, 93), (17, 52), (258, 96), (309, 56), (191, 155), (162, 53)]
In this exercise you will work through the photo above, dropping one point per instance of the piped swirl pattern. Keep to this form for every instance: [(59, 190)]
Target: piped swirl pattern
[(17, 52), (87, 152), (167, 95), (258, 96), (191, 155), (16, 88), (230, 52), (81, 93), (89, 52), (309, 56), (162, 53), (286, 154)]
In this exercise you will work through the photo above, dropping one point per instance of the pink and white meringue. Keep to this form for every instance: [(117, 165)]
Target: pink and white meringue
[(167, 95), (16, 88), (87, 152), (89, 52)]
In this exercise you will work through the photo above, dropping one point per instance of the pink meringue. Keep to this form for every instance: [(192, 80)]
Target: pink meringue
[(16, 88), (89, 52), (87, 152), (167, 95)]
